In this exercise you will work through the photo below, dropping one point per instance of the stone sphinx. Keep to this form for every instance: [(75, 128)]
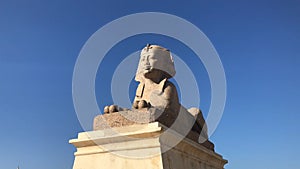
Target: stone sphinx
[(157, 98)]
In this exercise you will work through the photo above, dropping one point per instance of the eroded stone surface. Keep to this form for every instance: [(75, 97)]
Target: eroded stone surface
[(123, 118), (130, 117), (145, 116)]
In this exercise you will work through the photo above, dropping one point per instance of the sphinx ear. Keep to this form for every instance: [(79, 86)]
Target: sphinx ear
[(161, 85), (140, 90)]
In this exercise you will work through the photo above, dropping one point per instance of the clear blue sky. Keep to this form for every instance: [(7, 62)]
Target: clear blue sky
[(258, 42)]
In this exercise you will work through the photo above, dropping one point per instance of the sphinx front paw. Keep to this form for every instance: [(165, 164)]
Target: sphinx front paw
[(140, 104), (110, 109)]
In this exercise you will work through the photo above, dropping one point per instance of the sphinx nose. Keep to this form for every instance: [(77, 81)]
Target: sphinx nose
[(147, 63)]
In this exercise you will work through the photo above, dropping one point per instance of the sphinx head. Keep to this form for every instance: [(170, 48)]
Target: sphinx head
[(155, 61)]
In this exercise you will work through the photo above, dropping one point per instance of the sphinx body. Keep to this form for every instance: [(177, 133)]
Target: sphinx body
[(155, 91)]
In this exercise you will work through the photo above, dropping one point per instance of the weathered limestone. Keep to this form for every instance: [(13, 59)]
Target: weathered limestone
[(141, 146)]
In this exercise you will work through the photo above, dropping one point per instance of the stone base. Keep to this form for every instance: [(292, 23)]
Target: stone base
[(146, 116), (147, 146)]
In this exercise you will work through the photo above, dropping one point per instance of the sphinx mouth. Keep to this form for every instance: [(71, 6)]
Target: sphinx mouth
[(147, 67), (146, 71)]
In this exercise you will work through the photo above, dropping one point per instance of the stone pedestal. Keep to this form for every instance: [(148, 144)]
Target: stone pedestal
[(141, 146)]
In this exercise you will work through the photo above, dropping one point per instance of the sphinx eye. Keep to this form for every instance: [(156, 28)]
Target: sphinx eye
[(151, 57)]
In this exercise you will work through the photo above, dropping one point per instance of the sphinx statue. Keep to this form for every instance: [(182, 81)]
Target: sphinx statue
[(156, 92)]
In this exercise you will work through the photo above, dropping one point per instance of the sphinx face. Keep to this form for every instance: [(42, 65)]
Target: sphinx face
[(154, 57), (147, 62)]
